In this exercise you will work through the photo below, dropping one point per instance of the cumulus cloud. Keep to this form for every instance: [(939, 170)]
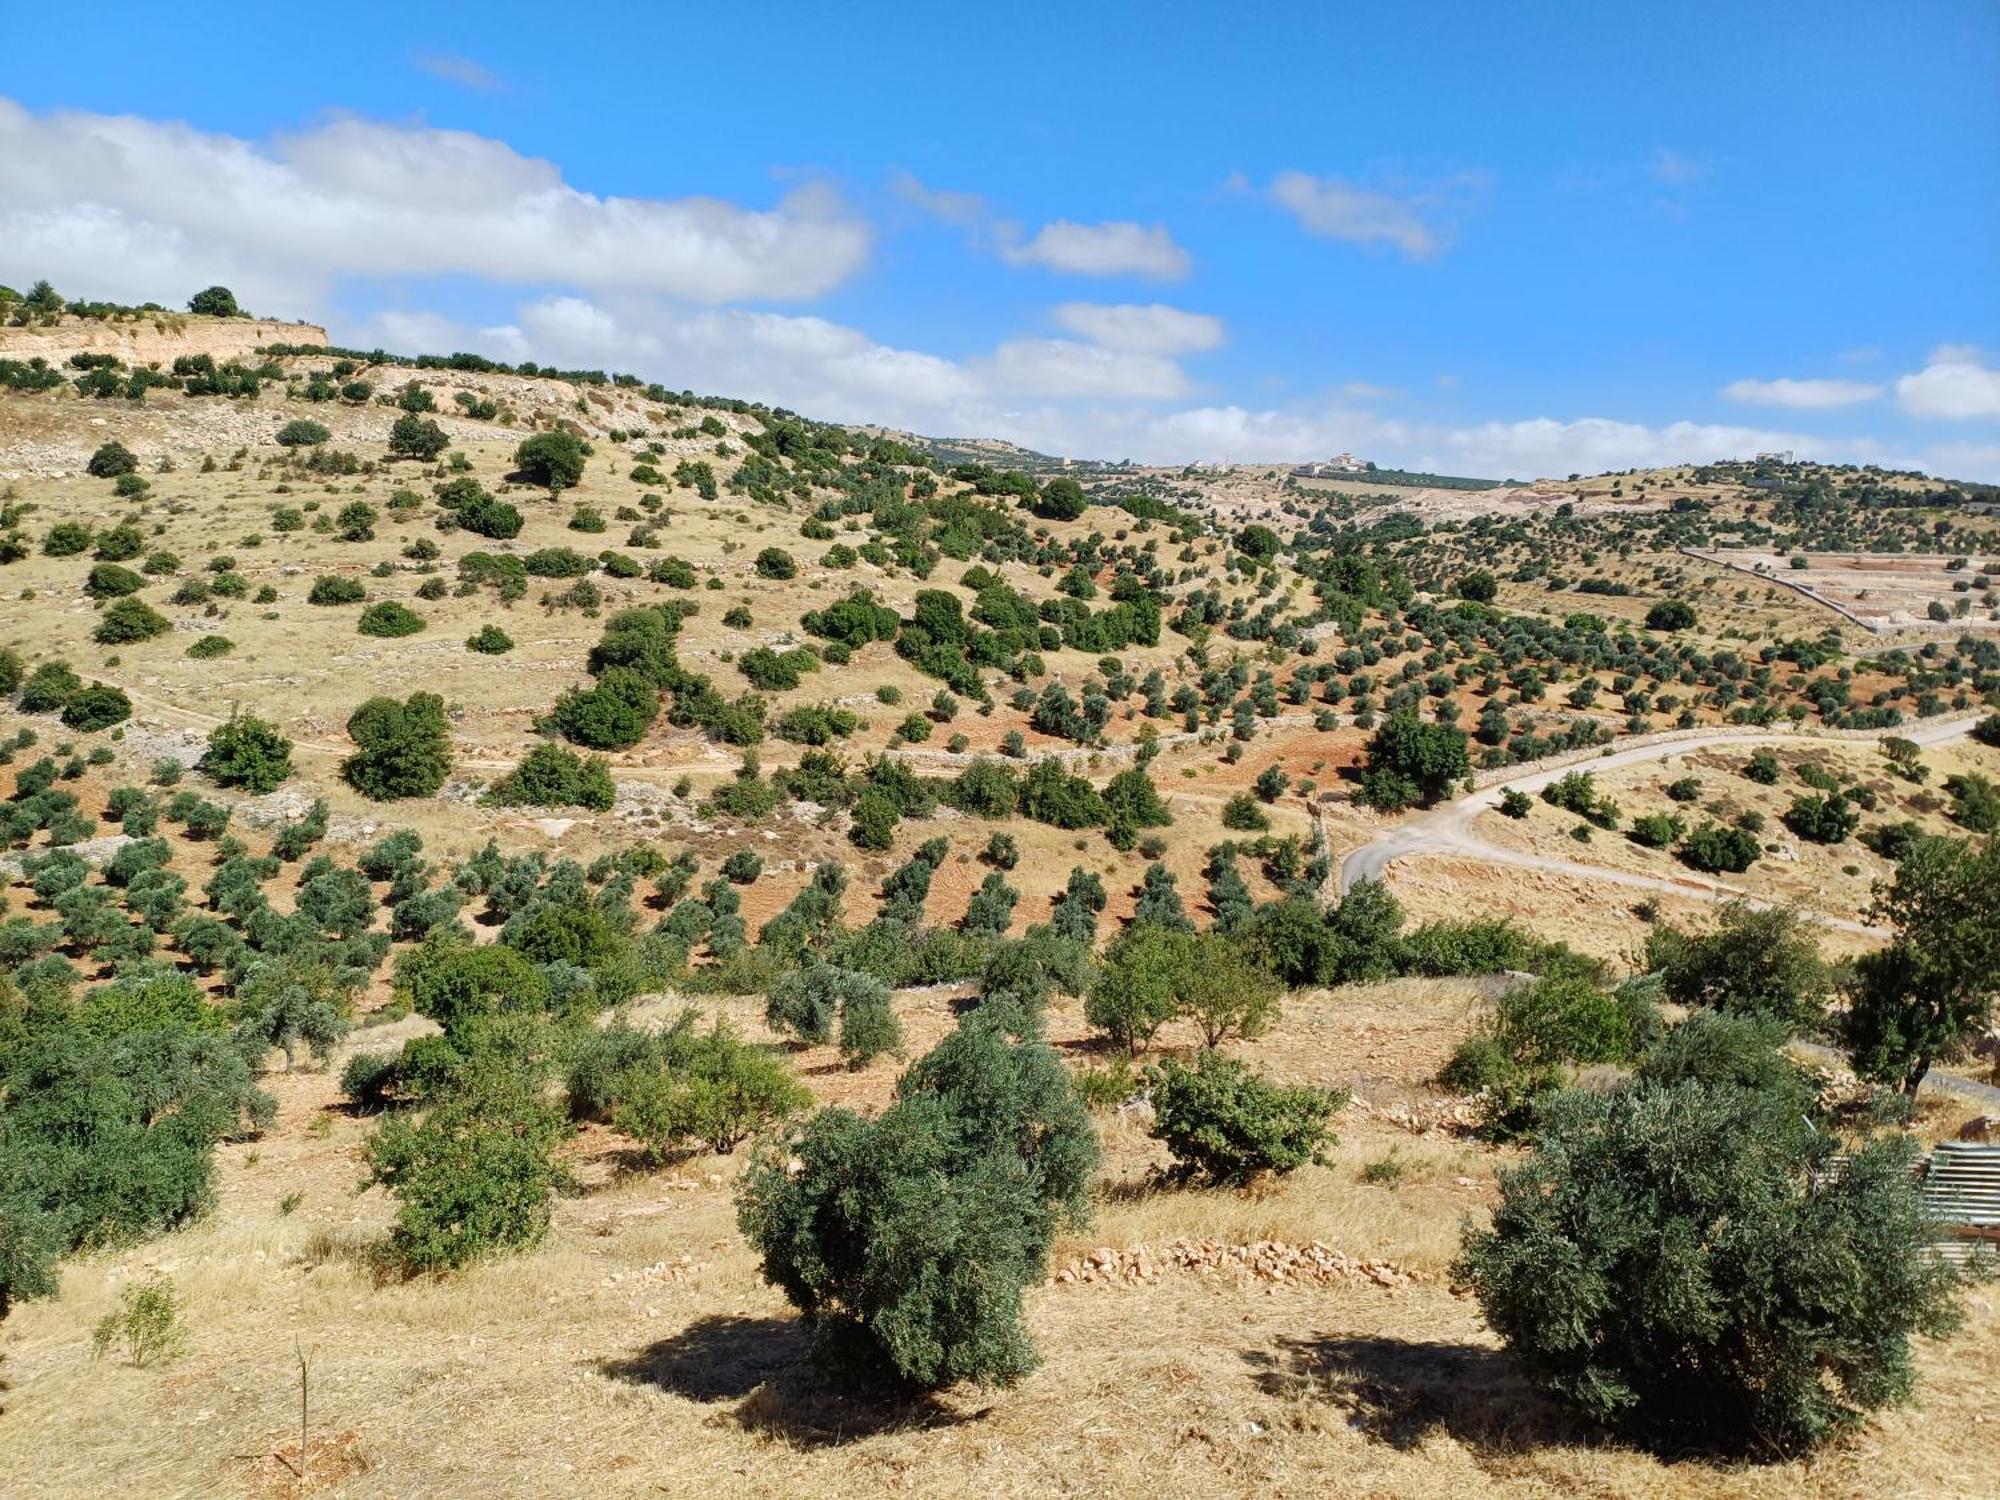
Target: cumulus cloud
[(1334, 209), (81, 192), (1954, 385), (1089, 400), (1112, 248), (1801, 395), (1149, 329), (1116, 247), (1107, 249), (1064, 367)]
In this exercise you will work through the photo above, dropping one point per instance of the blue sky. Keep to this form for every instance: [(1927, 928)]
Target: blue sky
[(1506, 240)]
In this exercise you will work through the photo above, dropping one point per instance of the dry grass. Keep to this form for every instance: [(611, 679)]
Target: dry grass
[(638, 1353)]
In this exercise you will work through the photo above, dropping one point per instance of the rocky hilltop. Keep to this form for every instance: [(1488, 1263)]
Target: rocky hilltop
[(159, 338)]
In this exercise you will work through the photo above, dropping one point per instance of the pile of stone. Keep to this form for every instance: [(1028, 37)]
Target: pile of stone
[(1273, 1261)]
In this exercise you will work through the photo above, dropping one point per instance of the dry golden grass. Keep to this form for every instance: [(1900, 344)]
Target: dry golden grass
[(638, 1353)]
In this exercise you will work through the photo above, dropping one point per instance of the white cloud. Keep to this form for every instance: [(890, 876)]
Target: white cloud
[(1062, 396), (1149, 329), (1063, 368), (1113, 248), (964, 210), (1117, 247), (460, 70), (81, 193), (1542, 447), (1337, 210), (1954, 385), (1801, 395)]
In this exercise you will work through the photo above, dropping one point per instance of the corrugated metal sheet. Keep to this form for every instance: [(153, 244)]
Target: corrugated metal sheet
[(1962, 1194)]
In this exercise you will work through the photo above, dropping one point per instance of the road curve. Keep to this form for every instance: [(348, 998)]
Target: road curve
[(1448, 829)]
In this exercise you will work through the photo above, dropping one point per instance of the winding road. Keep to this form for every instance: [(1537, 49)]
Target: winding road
[(1449, 828)]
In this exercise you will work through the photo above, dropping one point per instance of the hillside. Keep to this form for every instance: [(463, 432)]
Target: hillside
[(660, 699)]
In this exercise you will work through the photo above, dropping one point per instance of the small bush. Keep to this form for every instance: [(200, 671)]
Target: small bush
[(554, 460), (806, 1002), (96, 707), (868, 1029), (490, 640), (302, 432), (387, 618), (247, 752), (127, 621), (328, 589), (110, 460), (147, 1322), (474, 1177), (1225, 1123), (550, 776)]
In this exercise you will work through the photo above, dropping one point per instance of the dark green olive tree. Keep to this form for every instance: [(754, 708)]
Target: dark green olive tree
[(1688, 1264), (910, 1238)]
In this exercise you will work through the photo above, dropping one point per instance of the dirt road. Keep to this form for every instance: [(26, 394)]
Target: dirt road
[(1449, 828)]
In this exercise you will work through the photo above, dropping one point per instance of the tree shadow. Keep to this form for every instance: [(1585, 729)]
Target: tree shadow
[(1399, 1391), (766, 1366), (719, 1358)]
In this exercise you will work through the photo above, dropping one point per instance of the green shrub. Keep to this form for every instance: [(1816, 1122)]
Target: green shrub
[(1763, 963), (868, 1029), (1822, 819), (614, 714), (743, 867), (490, 640), (458, 984), (417, 437), (369, 1079), (550, 776), (109, 581), (147, 1321), (912, 1236), (48, 688), (328, 589), (807, 1001), (110, 460), (96, 707), (110, 1110), (404, 749), (1413, 762), (709, 1091), (1734, 1050), (247, 752), (209, 647), (387, 618), (1477, 946), (475, 1175), (554, 460), (1717, 850), (301, 432), (1721, 1285), (1225, 1123), (775, 562), (1242, 814), (129, 620)]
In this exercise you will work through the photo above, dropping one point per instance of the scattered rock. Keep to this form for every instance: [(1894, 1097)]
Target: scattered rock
[(1270, 1261)]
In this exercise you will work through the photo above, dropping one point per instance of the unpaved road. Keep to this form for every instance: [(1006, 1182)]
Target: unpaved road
[(1448, 829)]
